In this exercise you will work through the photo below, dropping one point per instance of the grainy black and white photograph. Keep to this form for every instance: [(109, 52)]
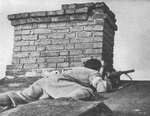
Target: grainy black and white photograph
[(74, 58)]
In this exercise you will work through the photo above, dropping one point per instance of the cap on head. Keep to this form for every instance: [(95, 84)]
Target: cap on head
[(93, 64)]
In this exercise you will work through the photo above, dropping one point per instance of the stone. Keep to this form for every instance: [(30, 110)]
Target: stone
[(61, 107)]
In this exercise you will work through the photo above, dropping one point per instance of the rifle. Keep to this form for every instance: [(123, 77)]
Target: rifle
[(119, 73), (115, 77)]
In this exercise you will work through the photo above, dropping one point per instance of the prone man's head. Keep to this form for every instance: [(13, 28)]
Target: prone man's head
[(93, 64)]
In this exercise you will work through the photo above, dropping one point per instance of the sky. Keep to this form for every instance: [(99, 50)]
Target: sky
[(132, 39)]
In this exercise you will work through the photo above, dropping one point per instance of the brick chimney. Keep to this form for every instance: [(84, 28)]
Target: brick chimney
[(62, 38)]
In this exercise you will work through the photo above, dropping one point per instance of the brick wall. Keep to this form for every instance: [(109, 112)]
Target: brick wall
[(62, 38)]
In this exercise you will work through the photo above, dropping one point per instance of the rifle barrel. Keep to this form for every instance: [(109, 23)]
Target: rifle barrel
[(128, 71)]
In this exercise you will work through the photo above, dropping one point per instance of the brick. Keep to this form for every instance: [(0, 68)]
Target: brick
[(99, 21), (28, 48), (15, 60), (98, 39), (17, 32), (79, 40), (54, 19), (56, 25), (82, 10), (97, 45), (60, 19), (75, 64), (76, 28), (60, 30), (34, 54), (34, 25), (21, 43), (9, 67), (93, 51), (42, 36), (21, 15), (42, 65), (27, 60), (20, 54), (94, 28), (40, 60), (60, 41), (44, 41), (17, 27), (63, 53), (49, 53), (83, 45), (59, 12), (69, 46), (25, 32), (62, 65), (12, 16), (41, 25), (98, 11), (18, 22), (56, 36), (75, 52), (59, 27), (90, 4), (38, 14), (14, 66), (100, 16), (32, 43), (26, 26), (55, 59), (29, 37), (76, 58), (69, 11), (30, 66), (78, 17), (98, 34), (17, 38), (68, 6), (56, 12), (84, 34), (41, 31), (33, 20), (41, 48), (85, 23), (51, 65), (55, 47), (70, 35), (39, 20), (50, 13), (17, 49)]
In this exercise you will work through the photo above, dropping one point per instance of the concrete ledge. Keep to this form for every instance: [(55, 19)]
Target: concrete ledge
[(60, 107)]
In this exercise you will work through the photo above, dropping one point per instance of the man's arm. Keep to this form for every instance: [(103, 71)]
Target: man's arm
[(101, 85)]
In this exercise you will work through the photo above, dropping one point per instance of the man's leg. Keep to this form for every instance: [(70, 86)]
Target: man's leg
[(5, 100)]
